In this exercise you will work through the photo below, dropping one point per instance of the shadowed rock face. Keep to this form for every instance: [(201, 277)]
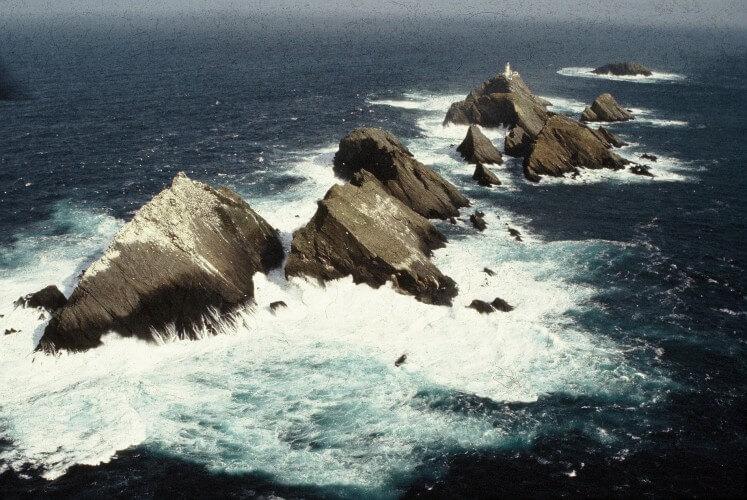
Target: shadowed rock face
[(518, 143), (501, 101), (485, 177), (187, 255), (565, 145), (605, 109), (361, 230), (623, 69), (610, 139), (402, 176), (476, 148), (49, 298)]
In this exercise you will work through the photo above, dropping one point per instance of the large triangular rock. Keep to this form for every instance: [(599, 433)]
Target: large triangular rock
[(605, 109), (359, 229), (476, 148), (402, 176), (186, 257), (504, 100), (563, 146)]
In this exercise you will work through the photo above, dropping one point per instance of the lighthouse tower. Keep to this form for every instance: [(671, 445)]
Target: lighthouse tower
[(507, 72)]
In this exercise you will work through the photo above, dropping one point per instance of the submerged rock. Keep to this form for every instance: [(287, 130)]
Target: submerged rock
[(476, 148), (49, 298), (610, 139), (647, 156), (623, 69), (501, 305), (485, 177), (641, 170), (359, 229), (10, 331), (488, 271), (186, 257), (478, 221), (481, 306), (565, 145), (605, 109), (504, 100), (401, 175)]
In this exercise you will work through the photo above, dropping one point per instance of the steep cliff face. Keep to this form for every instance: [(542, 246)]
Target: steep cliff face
[(186, 257), (402, 176), (359, 229)]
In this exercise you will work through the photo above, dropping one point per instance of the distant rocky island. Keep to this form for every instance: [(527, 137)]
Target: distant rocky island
[(186, 260), (623, 69)]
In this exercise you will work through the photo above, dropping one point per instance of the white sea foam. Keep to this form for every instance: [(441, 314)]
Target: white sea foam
[(656, 76), (310, 393)]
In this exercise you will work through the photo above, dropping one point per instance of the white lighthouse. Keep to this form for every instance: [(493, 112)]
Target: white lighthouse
[(507, 72)]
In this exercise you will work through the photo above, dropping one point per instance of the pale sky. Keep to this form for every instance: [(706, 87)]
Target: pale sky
[(709, 13)]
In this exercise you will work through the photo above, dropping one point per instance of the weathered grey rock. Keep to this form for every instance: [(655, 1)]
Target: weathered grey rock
[(402, 176), (610, 139), (501, 305), (49, 298), (186, 257), (478, 221), (481, 306), (501, 101), (359, 229), (485, 177), (565, 145), (641, 170), (623, 69), (476, 148), (605, 109)]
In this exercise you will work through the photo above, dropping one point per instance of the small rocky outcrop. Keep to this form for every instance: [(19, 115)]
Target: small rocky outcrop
[(360, 230), (274, 306), (650, 157), (623, 69), (186, 257), (11, 331), (504, 100), (488, 271), (485, 177), (49, 298), (481, 306), (478, 220), (515, 234), (476, 148), (563, 146), (610, 139), (401, 175), (605, 109), (400, 360), (501, 305), (641, 170)]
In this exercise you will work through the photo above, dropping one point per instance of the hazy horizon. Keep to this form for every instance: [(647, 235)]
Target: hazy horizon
[(693, 13)]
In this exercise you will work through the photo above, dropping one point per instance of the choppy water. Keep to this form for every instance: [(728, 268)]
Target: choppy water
[(620, 371)]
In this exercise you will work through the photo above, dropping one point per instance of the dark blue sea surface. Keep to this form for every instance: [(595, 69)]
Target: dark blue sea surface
[(113, 110)]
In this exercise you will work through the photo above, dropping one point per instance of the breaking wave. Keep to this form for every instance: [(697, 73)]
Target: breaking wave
[(656, 76)]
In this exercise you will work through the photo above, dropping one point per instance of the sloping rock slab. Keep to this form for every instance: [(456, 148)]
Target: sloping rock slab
[(609, 138), (565, 145), (501, 101), (188, 255), (485, 177), (605, 109), (359, 229), (476, 148), (402, 176)]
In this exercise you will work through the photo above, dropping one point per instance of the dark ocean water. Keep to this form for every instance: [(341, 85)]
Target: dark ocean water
[(114, 110)]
